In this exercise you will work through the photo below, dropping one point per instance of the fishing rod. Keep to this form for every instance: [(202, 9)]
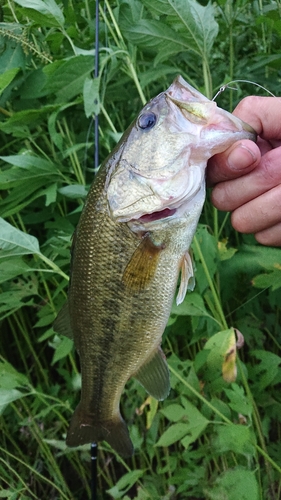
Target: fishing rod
[(94, 446)]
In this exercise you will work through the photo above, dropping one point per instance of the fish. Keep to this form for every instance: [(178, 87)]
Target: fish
[(130, 246)]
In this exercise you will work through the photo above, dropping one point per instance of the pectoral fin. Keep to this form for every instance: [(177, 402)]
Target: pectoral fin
[(143, 264), (187, 278), (154, 376), (61, 324)]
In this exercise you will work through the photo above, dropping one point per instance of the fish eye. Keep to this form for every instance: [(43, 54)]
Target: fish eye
[(147, 121)]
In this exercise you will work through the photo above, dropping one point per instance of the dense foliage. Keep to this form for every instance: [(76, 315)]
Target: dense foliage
[(210, 439)]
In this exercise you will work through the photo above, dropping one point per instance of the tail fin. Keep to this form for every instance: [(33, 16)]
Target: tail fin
[(84, 429)]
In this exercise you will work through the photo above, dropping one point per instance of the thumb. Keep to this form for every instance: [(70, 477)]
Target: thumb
[(238, 160)]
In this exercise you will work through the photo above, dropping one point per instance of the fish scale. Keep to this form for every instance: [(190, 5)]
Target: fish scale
[(130, 245)]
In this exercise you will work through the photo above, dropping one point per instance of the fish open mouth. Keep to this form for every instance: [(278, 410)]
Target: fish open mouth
[(162, 214)]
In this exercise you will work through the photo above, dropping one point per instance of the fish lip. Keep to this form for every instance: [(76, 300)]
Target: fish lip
[(176, 94)]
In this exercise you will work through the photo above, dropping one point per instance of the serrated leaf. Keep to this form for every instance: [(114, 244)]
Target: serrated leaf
[(265, 372), (236, 438), (239, 402), (15, 242), (235, 484), (186, 432)]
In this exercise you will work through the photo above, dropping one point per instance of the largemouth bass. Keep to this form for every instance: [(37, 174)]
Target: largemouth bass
[(130, 245)]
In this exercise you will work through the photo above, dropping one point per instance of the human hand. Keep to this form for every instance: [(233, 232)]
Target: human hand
[(247, 176)]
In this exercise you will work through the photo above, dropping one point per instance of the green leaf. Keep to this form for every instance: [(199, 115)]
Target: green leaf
[(208, 247), (51, 14), (8, 396), (19, 122), (173, 434), (91, 96), (186, 432), (193, 305), (265, 372), (67, 79), (15, 242), (64, 347), (7, 77), (236, 438), (10, 378), (268, 280), (74, 191), (239, 402), (174, 412), (11, 268), (125, 483), (233, 485), (194, 21)]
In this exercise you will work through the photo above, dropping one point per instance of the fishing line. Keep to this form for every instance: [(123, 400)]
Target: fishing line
[(227, 86)]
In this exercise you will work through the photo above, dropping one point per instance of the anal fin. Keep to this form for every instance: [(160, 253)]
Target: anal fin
[(61, 324), (154, 376)]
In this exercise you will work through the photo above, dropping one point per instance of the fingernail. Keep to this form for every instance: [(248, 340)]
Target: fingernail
[(240, 158)]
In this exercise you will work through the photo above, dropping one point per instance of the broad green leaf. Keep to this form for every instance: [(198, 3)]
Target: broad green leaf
[(8, 396), (173, 434), (73, 191), (15, 242), (194, 21), (91, 96), (11, 268), (7, 77), (222, 345), (12, 55), (186, 432), (125, 483), (193, 305), (233, 485), (19, 122), (236, 438), (266, 280), (51, 14), (156, 36), (67, 79), (174, 412), (10, 378), (28, 161)]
